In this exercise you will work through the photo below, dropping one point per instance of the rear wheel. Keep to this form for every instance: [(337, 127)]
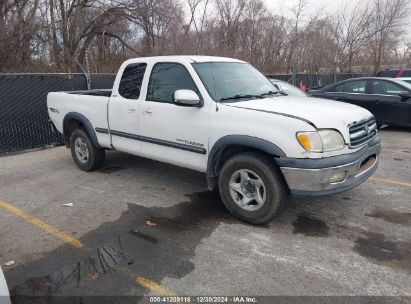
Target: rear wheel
[(252, 188), (87, 156)]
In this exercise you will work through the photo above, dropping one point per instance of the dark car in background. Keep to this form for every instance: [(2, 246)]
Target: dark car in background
[(389, 99), (395, 73)]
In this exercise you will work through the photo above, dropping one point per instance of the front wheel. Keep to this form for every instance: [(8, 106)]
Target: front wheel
[(252, 188), (87, 156)]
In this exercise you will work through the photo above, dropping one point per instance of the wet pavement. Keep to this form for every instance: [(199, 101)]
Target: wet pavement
[(151, 228)]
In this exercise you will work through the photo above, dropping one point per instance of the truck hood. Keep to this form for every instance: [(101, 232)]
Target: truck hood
[(322, 113)]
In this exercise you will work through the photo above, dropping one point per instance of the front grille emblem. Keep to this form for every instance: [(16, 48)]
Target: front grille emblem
[(362, 132)]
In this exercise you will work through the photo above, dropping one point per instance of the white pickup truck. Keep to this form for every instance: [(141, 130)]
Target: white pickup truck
[(4, 291), (222, 117)]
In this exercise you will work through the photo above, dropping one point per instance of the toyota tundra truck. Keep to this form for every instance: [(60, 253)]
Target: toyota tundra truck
[(222, 117)]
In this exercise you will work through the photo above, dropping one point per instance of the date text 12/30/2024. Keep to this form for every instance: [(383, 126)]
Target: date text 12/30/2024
[(203, 299)]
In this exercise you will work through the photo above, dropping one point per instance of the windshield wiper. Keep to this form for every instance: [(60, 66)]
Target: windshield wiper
[(240, 96), (274, 93), (259, 96)]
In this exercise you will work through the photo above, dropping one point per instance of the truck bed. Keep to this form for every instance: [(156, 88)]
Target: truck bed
[(90, 104)]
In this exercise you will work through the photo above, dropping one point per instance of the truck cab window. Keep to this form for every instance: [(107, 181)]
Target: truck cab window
[(165, 79), (131, 80)]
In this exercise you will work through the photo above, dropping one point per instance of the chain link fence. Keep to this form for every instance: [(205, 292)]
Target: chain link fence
[(23, 113), (23, 109)]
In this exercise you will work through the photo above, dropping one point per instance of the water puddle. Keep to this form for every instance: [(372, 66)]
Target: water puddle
[(402, 218), (144, 236), (123, 249), (389, 252), (310, 226)]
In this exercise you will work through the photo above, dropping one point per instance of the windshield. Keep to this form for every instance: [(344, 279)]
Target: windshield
[(228, 81), (405, 83)]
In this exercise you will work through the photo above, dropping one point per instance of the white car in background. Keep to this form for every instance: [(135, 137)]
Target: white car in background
[(4, 291), (288, 88)]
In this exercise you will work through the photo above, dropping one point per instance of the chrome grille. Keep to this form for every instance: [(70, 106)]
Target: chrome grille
[(362, 132)]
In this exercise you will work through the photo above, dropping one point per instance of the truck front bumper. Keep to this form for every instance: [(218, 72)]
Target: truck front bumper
[(330, 175)]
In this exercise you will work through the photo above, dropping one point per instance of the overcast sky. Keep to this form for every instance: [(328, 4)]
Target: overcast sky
[(283, 7)]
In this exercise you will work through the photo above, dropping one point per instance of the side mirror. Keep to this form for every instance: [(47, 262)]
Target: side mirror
[(187, 98), (405, 96)]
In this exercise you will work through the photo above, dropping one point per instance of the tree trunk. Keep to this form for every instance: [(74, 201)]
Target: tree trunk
[(54, 42)]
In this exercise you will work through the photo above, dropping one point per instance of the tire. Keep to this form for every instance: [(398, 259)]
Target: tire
[(265, 207), (94, 157)]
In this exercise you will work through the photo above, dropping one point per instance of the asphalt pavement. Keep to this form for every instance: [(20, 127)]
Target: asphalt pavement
[(141, 228)]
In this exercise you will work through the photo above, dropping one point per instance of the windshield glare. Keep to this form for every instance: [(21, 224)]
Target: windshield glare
[(224, 80)]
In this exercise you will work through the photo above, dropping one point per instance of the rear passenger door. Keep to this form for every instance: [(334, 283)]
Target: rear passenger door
[(123, 112), (389, 107)]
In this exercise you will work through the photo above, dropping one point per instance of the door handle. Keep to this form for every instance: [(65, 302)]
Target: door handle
[(131, 110), (147, 112)]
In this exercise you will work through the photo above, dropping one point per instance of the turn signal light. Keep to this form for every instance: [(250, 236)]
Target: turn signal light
[(305, 141)]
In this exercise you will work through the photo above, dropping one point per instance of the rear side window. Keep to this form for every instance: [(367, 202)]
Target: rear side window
[(407, 73), (386, 88), (339, 88), (355, 87), (165, 79), (131, 80)]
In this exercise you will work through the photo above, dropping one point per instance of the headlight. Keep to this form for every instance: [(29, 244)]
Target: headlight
[(322, 141), (332, 140)]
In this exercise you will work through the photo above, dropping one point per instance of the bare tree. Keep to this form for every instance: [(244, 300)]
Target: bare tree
[(53, 35), (389, 21), (352, 32)]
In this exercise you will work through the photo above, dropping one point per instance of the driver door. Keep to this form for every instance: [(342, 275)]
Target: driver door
[(173, 133)]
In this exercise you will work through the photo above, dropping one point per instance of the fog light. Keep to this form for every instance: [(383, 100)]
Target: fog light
[(338, 177)]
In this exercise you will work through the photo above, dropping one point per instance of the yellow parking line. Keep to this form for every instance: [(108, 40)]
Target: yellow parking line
[(144, 282), (42, 225), (390, 181), (154, 286)]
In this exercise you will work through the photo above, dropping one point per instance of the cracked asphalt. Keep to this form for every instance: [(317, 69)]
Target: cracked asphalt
[(150, 228)]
